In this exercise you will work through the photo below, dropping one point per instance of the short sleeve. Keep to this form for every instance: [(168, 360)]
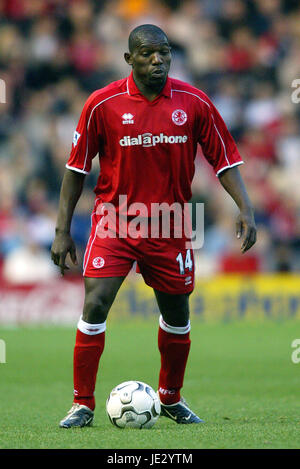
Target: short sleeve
[(217, 143), (85, 144)]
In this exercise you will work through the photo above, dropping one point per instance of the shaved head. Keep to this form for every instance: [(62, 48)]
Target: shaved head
[(149, 57), (142, 32)]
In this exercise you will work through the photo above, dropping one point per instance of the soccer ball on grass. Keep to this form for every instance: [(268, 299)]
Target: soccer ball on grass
[(133, 404)]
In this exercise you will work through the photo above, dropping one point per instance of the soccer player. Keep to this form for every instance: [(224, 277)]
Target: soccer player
[(145, 128)]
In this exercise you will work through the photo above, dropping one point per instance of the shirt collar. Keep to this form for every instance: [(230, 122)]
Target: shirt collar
[(133, 89)]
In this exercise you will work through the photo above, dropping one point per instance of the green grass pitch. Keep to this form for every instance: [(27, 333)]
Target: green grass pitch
[(240, 379)]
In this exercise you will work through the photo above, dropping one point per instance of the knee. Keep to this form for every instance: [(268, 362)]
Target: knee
[(178, 314), (176, 318)]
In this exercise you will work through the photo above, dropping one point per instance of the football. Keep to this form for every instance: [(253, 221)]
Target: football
[(133, 404)]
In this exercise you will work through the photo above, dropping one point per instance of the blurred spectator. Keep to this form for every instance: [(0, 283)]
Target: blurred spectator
[(262, 110), (241, 50), (230, 105), (28, 264)]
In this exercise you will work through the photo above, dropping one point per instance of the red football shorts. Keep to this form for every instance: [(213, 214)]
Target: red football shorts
[(166, 264)]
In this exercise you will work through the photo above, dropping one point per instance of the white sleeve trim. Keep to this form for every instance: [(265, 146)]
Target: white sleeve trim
[(76, 169), (229, 166), (173, 329)]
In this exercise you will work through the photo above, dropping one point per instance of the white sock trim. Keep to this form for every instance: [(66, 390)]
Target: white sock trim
[(174, 329), (90, 329)]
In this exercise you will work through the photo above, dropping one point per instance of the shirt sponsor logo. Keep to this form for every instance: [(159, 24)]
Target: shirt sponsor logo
[(76, 138), (128, 118), (179, 117), (150, 140), (98, 262)]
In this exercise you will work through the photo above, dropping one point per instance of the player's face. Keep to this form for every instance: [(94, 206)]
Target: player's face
[(151, 61)]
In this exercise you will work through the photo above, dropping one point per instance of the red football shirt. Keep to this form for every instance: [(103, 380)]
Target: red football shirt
[(147, 148)]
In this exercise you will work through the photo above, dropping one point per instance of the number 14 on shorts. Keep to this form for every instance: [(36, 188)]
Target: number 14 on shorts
[(186, 263)]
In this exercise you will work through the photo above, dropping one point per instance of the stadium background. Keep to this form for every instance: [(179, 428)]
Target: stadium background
[(243, 54)]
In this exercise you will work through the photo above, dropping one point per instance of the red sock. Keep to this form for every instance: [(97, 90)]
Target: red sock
[(174, 350), (87, 352)]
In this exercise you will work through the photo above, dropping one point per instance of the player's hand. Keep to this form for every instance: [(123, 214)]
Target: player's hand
[(62, 245), (245, 227)]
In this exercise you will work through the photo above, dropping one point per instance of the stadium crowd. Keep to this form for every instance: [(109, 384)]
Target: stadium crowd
[(244, 54)]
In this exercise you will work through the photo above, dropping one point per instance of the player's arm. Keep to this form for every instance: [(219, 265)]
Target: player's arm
[(233, 183), (85, 146), (221, 152), (63, 243)]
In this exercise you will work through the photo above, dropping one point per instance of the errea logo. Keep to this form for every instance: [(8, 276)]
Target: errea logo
[(127, 118)]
